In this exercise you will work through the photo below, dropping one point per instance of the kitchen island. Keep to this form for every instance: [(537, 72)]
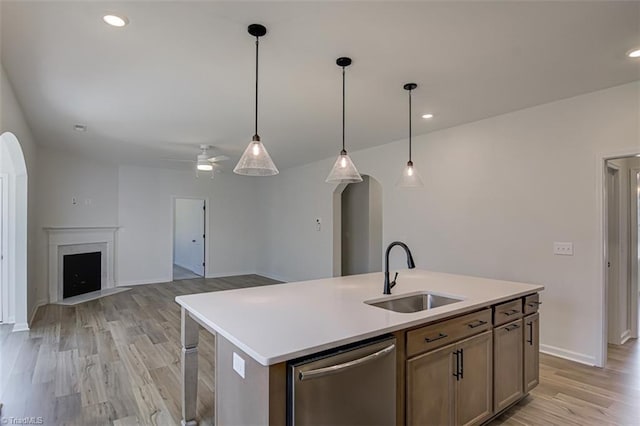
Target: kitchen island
[(258, 330)]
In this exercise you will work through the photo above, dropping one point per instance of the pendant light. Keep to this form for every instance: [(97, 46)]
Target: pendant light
[(255, 160), (410, 177), (344, 171)]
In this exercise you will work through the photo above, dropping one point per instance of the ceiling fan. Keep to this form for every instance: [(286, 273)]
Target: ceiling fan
[(204, 161)]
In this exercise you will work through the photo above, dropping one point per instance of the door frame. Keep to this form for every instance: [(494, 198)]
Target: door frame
[(4, 244), (601, 226), (633, 250), (207, 215), (619, 259)]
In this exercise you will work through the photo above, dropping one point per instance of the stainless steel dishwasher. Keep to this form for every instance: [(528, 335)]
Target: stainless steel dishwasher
[(353, 385)]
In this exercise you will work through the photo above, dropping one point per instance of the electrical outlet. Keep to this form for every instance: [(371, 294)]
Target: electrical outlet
[(563, 249), (238, 364), (318, 224), (74, 200)]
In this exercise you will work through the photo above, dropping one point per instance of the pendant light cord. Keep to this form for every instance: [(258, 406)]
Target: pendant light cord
[(409, 125), (343, 109), (257, 43)]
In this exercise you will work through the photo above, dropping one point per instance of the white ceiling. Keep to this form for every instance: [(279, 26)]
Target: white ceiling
[(182, 72)]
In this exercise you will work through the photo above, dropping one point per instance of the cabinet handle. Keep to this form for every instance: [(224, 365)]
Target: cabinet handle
[(534, 304), (457, 371), (530, 340), (512, 327), (477, 323), (511, 312), (433, 339), (462, 363)]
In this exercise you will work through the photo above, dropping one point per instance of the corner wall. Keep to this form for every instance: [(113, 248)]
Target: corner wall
[(13, 120), (498, 193)]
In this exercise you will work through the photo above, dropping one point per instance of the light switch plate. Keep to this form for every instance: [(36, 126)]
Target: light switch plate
[(238, 365), (563, 249)]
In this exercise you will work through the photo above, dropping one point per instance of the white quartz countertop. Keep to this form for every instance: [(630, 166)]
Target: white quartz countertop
[(276, 323)]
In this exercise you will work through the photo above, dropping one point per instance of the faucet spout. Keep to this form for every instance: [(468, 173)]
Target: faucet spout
[(388, 285)]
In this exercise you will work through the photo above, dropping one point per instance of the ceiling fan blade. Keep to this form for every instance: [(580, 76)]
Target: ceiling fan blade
[(218, 158), (178, 159)]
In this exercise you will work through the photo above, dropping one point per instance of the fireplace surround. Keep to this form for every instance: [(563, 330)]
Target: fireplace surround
[(78, 240)]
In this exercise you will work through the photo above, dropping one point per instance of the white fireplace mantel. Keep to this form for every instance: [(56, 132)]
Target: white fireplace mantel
[(61, 239)]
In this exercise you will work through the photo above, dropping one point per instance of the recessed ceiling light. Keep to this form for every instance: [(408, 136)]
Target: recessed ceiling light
[(115, 20), (427, 116), (80, 127), (634, 53)]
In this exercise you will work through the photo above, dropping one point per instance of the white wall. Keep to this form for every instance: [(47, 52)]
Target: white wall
[(140, 201), (13, 120), (66, 176), (188, 248), (62, 177), (355, 228), (145, 216), (375, 226), (498, 193)]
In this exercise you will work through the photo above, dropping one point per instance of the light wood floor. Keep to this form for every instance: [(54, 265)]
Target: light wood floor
[(116, 361)]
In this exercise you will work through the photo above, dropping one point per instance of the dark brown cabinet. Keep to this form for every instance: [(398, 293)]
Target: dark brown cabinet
[(508, 364), (531, 334), (452, 385)]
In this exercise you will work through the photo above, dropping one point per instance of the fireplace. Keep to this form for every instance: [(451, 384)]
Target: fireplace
[(81, 273), (81, 260)]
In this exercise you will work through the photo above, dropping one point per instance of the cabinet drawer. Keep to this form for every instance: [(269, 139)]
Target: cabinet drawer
[(507, 312), (531, 303), (433, 336)]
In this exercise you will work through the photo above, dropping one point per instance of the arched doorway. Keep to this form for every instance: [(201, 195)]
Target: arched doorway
[(357, 233), (13, 233)]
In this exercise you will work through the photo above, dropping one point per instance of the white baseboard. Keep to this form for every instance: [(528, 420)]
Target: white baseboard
[(570, 355), (21, 326), (273, 276), (229, 274), (145, 281), (39, 303), (626, 335), (210, 275)]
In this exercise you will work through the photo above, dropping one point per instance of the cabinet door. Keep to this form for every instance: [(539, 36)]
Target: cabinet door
[(507, 361), (531, 351), (474, 395), (430, 388)]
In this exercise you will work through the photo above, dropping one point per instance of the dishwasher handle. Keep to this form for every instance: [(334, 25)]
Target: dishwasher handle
[(333, 369)]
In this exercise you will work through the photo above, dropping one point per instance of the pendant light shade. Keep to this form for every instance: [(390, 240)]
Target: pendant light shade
[(343, 171), (410, 177), (255, 160)]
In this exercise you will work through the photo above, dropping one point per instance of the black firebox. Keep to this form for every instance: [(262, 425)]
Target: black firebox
[(82, 273)]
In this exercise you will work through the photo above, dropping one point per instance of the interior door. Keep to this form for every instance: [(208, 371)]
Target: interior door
[(189, 235)]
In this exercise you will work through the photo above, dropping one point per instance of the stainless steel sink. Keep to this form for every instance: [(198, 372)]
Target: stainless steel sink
[(414, 303)]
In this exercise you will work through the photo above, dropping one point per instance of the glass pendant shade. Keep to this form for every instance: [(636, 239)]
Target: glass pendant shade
[(256, 161), (344, 171), (410, 177)]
